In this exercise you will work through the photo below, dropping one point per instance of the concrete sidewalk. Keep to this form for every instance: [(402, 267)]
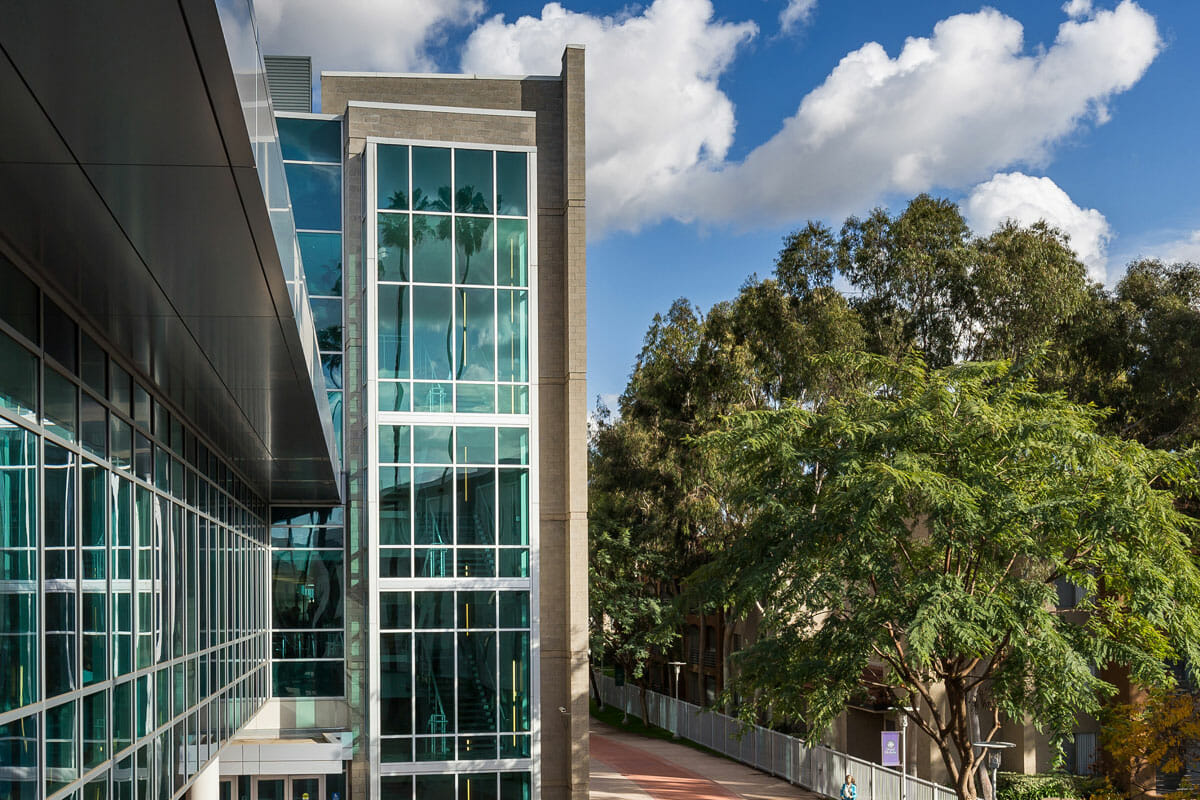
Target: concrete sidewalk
[(630, 767)]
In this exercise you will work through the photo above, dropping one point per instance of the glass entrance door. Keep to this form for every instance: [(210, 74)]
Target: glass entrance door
[(308, 788)]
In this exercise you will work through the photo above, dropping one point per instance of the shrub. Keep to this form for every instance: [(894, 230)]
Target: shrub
[(1016, 786)]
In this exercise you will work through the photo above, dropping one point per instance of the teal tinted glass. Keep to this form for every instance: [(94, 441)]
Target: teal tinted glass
[(475, 399), (432, 254), (395, 500), (475, 250), (512, 252), (393, 331), (512, 399), (433, 397), (476, 610), (513, 445), (475, 445), (514, 609), (514, 563), (93, 425), (18, 754), (513, 335), (18, 567), (331, 367), (391, 176), (322, 257), (434, 609), (475, 334), (95, 729), (308, 679), (394, 249), (327, 317), (19, 301), (433, 509), (477, 512), (395, 610), (62, 761), (394, 396), (316, 192), (431, 444), (473, 181), (394, 441), (514, 507), (514, 680), (395, 674), (512, 192), (432, 340), (430, 179), (59, 406), (61, 334), (18, 377), (120, 391), (310, 139)]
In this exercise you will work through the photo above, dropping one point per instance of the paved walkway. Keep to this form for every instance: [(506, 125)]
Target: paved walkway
[(630, 767)]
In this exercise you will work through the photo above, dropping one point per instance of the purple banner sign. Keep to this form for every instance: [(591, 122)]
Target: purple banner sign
[(889, 742)]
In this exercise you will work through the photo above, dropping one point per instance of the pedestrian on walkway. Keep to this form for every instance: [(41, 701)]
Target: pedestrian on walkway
[(849, 790)]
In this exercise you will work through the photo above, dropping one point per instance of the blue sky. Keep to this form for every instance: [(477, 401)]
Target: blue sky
[(716, 127)]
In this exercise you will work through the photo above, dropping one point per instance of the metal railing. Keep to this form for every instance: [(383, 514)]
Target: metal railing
[(818, 768)]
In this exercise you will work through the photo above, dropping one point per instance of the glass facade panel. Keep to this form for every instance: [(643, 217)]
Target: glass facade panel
[(512, 192), (475, 250), (19, 301), (309, 139), (430, 179), (512, 252), (393, 331), (18, 377), (432, 253), (395, 250), (19, 757), (453, 500), (316, 193), (18, 567), (473, 181), (391, 177), (322, 257)]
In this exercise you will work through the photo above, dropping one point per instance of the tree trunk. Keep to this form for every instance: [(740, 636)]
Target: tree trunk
[(595, 686), (645, 708), (985, 780)]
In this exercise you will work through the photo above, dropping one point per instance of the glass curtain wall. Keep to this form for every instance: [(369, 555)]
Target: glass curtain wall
[(312, 161), (452, 469), (308, 601), (150, 568)]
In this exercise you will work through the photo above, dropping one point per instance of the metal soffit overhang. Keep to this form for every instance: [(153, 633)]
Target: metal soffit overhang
[(127, 177)]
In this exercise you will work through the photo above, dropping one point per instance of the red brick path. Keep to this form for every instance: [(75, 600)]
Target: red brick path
[(658, 777)]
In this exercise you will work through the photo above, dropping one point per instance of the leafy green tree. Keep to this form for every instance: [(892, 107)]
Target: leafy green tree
[(907, 538)]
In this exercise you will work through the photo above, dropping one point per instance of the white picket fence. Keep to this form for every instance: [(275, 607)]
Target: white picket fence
[(818, 769)]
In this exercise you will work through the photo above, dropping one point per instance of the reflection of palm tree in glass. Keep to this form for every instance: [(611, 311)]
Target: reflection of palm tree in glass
[(393, 235), (423, 202)]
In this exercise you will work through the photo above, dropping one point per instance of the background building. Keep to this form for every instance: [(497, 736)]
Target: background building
[(292, 418)]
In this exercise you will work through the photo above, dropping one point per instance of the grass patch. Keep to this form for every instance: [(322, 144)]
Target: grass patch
[(612, 716)]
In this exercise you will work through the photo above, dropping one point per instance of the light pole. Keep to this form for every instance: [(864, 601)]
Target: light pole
[(904, 712), (676, 665), (992, 751)]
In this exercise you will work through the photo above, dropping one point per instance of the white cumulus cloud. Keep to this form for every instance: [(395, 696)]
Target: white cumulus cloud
[(947, 111), (796, 12), (1025, 200), (1076, 9), (369, 35), (655, 113)]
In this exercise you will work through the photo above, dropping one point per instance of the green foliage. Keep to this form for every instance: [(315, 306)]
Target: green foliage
[(920, 519), (1016, 786)]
